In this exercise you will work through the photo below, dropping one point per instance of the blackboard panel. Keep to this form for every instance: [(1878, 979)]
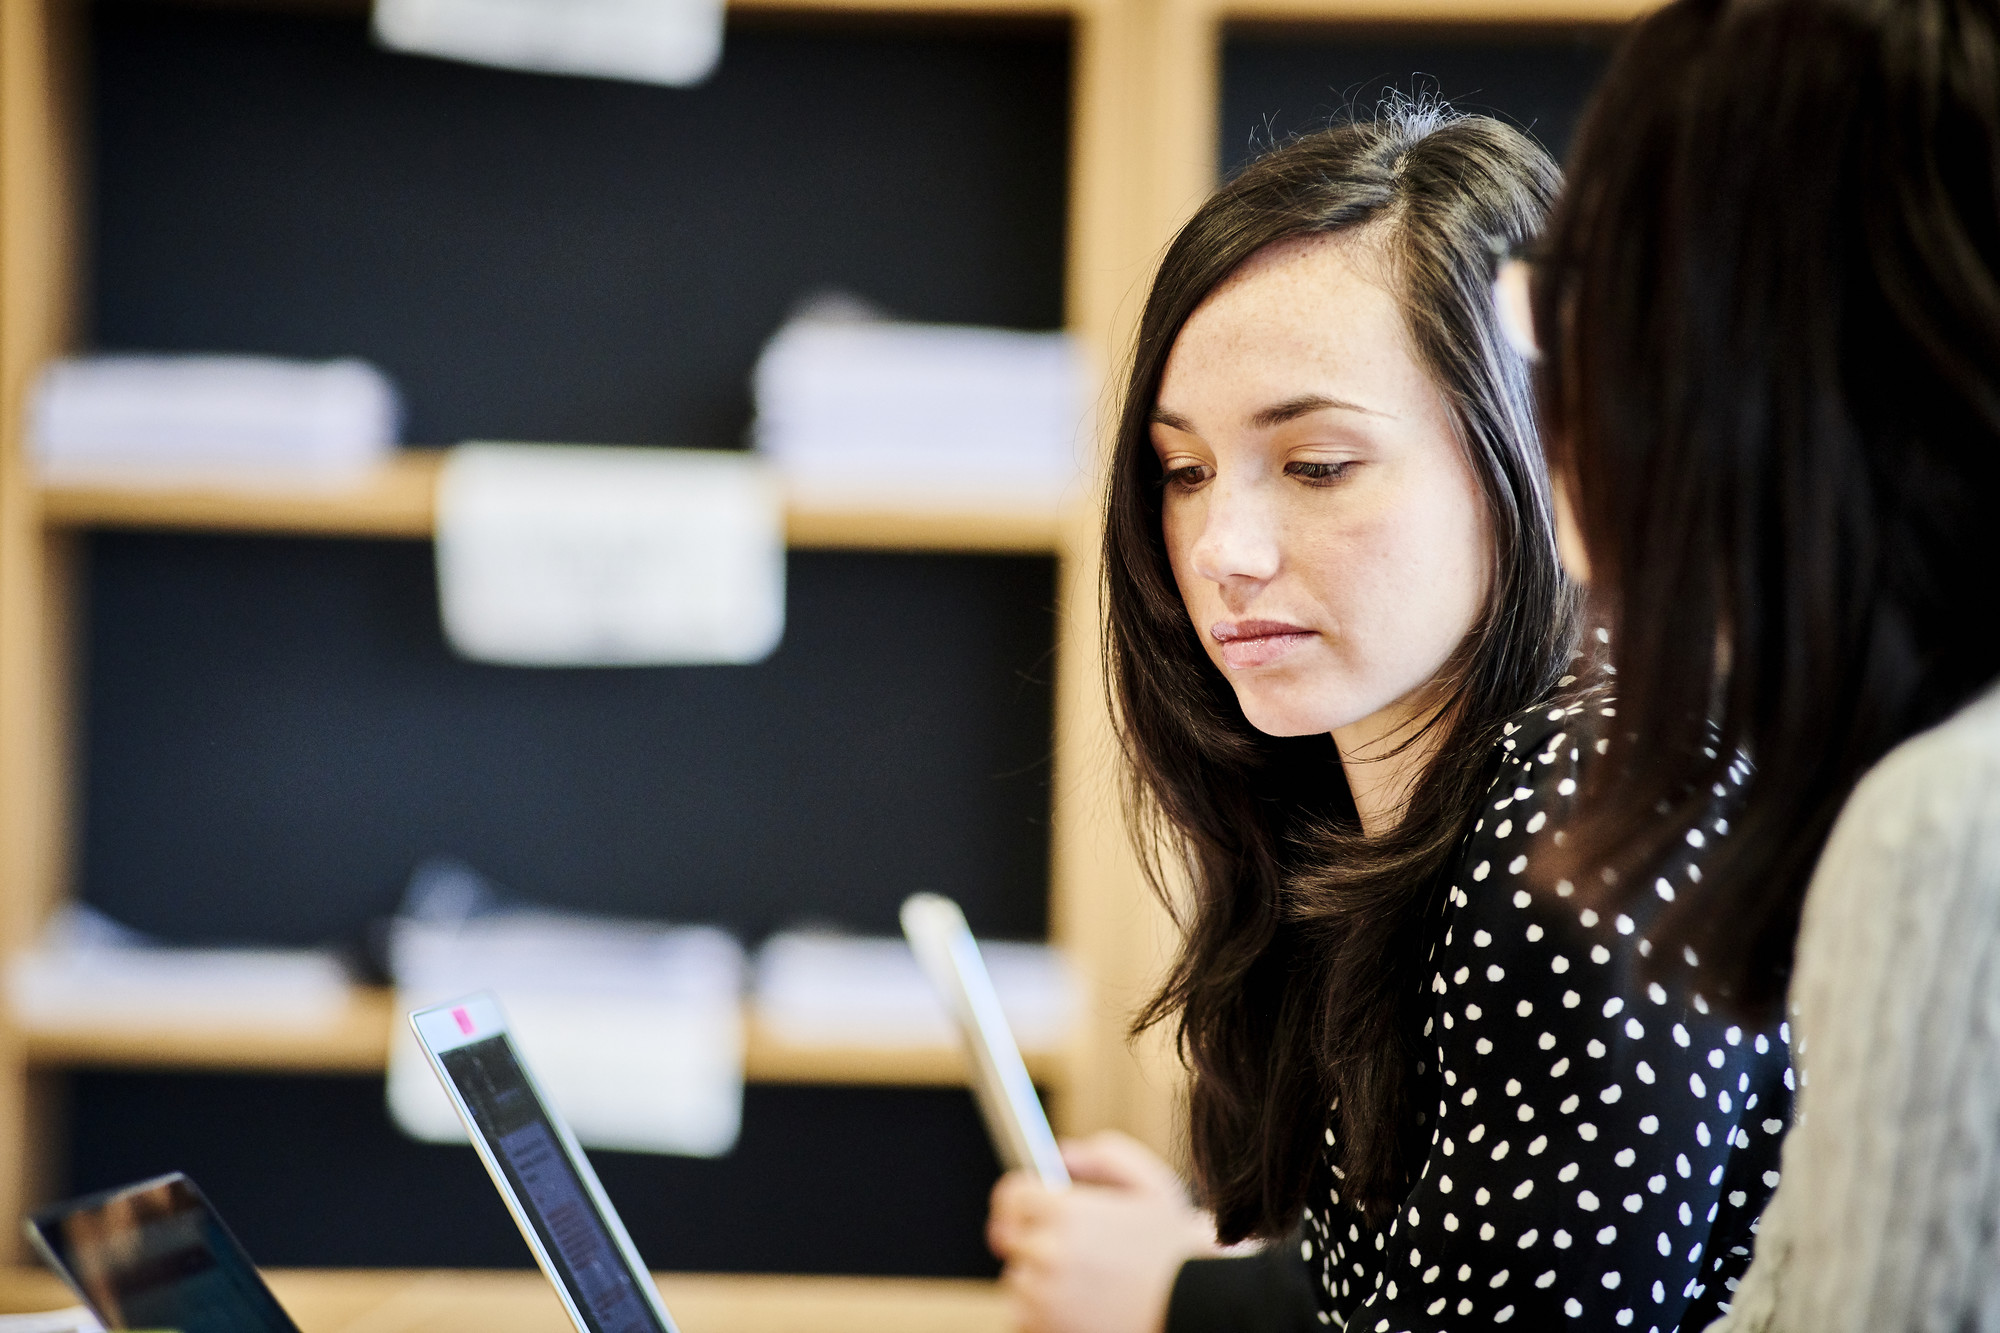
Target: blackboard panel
[(310, 1172), (276, 733), (1276, 84), (545, 258)]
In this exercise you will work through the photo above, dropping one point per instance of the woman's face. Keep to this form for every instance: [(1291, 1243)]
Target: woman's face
[(1325, 527)]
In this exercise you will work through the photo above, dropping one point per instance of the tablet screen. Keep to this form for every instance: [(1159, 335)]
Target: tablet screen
[(529, 1152)]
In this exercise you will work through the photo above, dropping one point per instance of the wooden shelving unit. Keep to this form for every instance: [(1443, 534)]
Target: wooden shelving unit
[(1144, 130), (1095, 902)]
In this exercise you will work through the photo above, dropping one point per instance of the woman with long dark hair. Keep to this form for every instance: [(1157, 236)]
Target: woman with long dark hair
[(1344, 663), (1771, 303)]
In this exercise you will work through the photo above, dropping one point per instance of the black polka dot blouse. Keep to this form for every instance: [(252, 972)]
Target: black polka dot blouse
[(1601, 1147)]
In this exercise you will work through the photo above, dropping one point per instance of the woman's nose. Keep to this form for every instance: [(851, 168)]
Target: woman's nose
[(1239, 536)]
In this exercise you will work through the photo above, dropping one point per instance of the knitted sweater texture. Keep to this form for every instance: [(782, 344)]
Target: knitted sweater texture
[(1887, 1217)]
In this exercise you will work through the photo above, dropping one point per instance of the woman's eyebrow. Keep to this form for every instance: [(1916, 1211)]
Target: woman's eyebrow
[(1275, 415), (1294, 408)]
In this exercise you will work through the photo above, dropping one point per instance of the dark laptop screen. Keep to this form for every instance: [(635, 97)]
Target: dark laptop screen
[(155, 1255)]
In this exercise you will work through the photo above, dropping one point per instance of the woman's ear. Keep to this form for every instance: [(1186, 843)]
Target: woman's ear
[(1513, 301), (1575, 556)]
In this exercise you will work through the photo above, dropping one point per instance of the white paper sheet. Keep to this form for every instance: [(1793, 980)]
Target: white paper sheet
[(157, 419), (818, 989), (86, 971), (848, 404), (635, 1031), (555, 555), (645, 41)]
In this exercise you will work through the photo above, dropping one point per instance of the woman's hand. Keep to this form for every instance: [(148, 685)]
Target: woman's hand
[(1099, 1257)]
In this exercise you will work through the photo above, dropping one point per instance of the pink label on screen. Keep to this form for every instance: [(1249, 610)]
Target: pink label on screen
[(464, 1021)]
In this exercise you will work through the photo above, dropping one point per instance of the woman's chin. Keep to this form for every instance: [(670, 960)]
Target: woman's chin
[(1287, 717)]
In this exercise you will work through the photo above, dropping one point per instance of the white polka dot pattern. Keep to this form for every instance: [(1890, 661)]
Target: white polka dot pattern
[(1601, 1148)]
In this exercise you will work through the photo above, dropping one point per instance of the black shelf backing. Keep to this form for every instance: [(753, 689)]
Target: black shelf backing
[(1278, 82), (277, 733), (310, 1172)]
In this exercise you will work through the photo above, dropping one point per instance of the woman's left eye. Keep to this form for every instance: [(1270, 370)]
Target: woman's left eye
[(1318, 474)]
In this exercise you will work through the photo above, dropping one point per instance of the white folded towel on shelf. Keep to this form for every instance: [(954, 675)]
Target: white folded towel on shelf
[(931, 411), (241, 419), (88, 971), (645, 41), (563, 555), (634, 1030), (823, 989)]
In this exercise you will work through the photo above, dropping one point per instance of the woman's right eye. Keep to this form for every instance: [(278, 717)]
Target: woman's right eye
[(1186, 476)]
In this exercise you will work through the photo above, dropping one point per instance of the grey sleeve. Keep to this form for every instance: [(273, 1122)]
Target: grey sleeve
[(1884, 1218)]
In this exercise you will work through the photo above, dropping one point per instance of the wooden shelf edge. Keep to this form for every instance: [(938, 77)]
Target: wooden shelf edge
[(359, 1044), (396, 499), (399, 500), (1471, 13), (920, 8), (946, 8), (811, 526), (348, 1300), (768, 1059)]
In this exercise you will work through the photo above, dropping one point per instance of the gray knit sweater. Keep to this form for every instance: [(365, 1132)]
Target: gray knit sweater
[(1887, 1219)]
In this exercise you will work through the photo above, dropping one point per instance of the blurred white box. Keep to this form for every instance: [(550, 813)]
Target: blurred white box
[(568, 555), (634, 1029)]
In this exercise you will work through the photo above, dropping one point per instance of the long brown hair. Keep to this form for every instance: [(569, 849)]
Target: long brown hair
[(1771, 299), (1296, 987)]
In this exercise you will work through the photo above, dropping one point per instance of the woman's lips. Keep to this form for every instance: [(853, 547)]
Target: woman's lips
[(1255, 643)]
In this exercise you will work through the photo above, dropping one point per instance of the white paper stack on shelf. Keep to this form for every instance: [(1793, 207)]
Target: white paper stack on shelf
[(874, 410), (822, 989), (238, 420), (89, 972), (635, 1030), (646, 41)]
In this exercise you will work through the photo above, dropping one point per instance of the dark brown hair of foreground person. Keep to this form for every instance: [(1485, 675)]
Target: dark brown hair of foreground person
[(1297, 982), (1771, 305)]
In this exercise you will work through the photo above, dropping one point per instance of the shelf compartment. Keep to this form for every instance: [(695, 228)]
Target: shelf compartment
[(399, 499), (359, 1043)]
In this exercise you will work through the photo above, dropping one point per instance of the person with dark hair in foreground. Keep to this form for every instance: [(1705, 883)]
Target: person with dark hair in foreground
[(1345, 666), (1770, 303)]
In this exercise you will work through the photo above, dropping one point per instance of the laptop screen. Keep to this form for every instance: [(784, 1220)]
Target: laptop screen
[(573, 1232)]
